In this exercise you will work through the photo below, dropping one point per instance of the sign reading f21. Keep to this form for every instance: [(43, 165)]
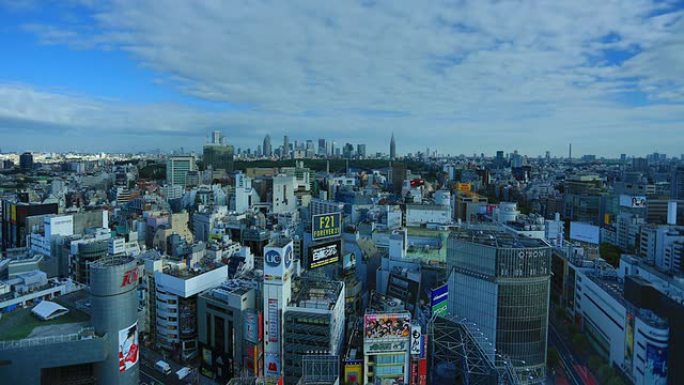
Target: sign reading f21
[(326, 226)]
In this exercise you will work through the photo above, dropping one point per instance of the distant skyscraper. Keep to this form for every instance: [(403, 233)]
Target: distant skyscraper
[(26, 161), (361, 150), (177, 168), (322, 147), (268, 150), (393, 148), (286, 147), (570, 151), (677, 183), (216, 137)]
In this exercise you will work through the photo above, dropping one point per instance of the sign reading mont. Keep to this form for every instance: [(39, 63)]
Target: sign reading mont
[(326, 226)]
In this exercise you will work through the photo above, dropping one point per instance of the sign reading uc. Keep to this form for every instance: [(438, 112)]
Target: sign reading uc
[(326, 226)]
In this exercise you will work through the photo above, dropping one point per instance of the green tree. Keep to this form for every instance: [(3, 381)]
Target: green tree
[(594, 362), (610, 253)]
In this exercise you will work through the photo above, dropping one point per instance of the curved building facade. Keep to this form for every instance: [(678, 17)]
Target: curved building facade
[(114, 312)]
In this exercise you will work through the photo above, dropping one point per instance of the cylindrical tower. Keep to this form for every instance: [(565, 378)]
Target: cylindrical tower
[(114, 312)]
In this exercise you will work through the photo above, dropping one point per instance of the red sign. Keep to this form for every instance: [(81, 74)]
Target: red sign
[(130, 277)]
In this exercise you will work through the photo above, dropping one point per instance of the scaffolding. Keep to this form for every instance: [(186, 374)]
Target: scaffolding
[(320, 369), (453, 342)]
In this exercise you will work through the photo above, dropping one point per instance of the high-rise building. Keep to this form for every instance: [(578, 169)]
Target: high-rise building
[(677, 183), (177, 168), (313, 322), (286, 147), (500, 282), (393, 148), (26, 161), (268, 150), (218, 156), (216, 137), (322, 147), (361, 150)]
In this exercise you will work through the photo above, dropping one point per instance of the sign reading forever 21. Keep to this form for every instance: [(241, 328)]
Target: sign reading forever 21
[(326, 226)]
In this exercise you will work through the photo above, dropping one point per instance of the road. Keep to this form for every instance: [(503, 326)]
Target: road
[(567, 359)]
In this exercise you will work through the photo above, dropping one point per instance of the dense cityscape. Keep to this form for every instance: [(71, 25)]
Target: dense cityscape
[(303, 264), (470, 192)]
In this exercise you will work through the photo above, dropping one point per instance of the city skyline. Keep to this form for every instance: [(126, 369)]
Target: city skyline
[(357, 72)]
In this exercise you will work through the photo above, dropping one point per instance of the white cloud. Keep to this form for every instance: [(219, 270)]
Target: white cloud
[(434, 72)]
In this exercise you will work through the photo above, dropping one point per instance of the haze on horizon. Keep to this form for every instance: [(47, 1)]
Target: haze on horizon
[(460, 77)]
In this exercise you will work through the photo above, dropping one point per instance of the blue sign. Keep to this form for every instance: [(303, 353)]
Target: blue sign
[(288, 257), (272, 258)]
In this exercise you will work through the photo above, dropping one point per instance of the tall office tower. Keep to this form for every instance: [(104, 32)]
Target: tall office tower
[(499, 161), (548, 156), (500, 283), (218, 156), (177, 168), (26, 161), (393, 148), (677, 183), (268, 150), (333, 148), (114, 312), (216, 137), (322, 147), (570, 152), (361, 150), (286, 147)]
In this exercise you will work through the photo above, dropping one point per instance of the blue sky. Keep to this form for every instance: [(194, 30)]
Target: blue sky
[(458, 76)]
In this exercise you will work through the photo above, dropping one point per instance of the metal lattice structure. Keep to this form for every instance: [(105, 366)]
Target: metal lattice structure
[(452, 342), (320, 369)]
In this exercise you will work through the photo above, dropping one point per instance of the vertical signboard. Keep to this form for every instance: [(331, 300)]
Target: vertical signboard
[(251, 329), (629, 340), (656, 364), (416, 339), (273, 320), (438, 299), (128, 347)]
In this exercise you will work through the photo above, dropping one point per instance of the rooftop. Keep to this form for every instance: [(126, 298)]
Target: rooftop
[(315, 293), (497, 238), (22, 324)]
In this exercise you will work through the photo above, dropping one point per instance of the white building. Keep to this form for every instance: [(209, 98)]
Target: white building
[(283, 196), (423, 214)]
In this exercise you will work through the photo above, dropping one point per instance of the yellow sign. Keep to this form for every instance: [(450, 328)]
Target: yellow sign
[(464, 187), (326, 226)]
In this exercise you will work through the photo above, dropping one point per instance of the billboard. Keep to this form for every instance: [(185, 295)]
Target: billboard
[(387, 325), (326, 226), (128, 347), (385, 346), (349, 261), (273, 320), (464, 187), (403, 288), (584, 232), (656, 361), (439, 299), (633, 201), (278, 261), (272, 364), (416, 340), (629, 339), (251, 326), (324, 254)]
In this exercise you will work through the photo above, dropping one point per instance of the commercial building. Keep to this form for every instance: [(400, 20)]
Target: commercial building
[(15, 228), (176, 290), (313, 323), (501, 283), (218, 156), (26, 161), (228, 328), (95, 341), (177, 168), (631, 338)]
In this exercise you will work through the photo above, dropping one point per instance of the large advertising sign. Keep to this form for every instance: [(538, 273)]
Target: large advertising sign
[(325, 254), (272, 364), (385, 346), (273, 321), (251, 326), (416, 339), (349, 261), (584, 232), (387, 326), (403, 288), (632, 201), (278, 261), (629, 340), (656, 364), (128, 347), (438, 299), (353, 373), (326, 226)]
